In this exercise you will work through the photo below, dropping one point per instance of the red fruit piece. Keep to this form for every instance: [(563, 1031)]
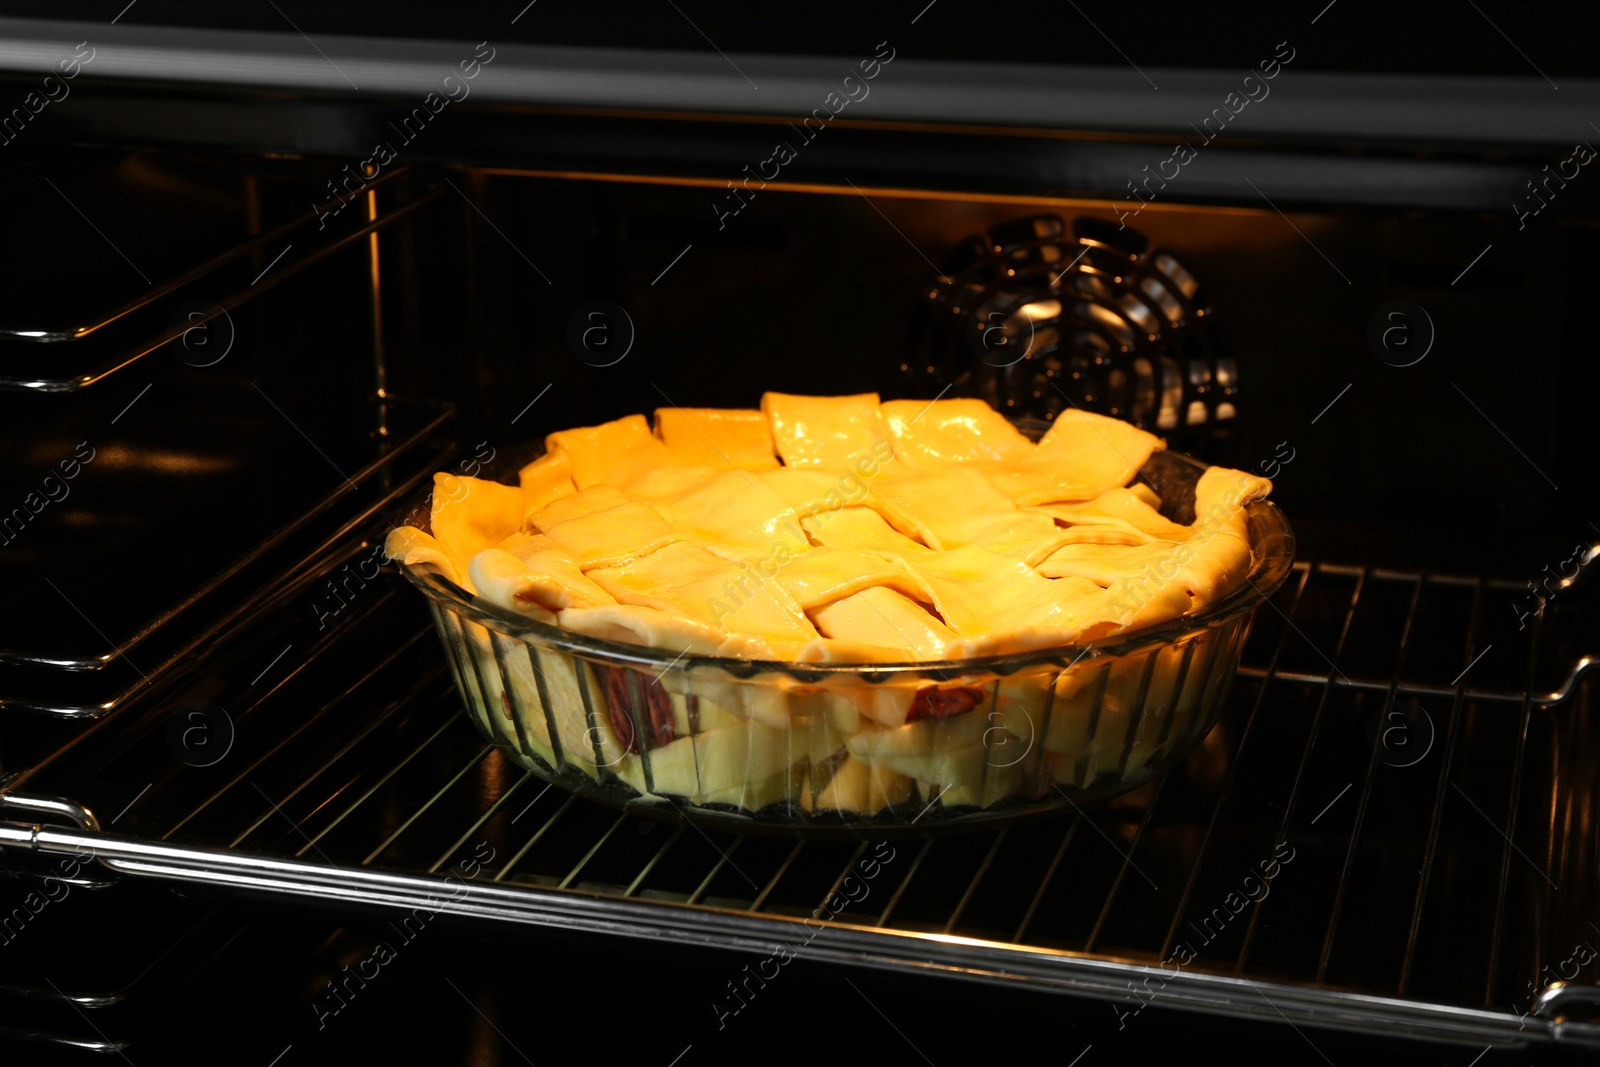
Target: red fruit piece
[(936, 703), (619, 701), (658, 705)]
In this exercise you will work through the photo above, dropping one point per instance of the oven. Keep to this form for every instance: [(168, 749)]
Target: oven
[(270, 269)]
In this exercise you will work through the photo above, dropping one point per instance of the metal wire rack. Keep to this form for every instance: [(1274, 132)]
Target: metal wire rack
[(93, 1003), (1291, 869), (325, 527), (111, 336), (232, 268)]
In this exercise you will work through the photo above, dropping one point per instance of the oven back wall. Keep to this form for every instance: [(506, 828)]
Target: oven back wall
[(816, 292), (488, 298)]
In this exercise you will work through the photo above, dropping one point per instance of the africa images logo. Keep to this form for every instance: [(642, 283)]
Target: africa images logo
[(1400, 333)]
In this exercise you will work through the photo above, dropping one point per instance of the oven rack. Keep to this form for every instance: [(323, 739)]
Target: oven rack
[(140, 970), (93, 321), (405, 196), (356, 780), (1330, 674), (379, 487)]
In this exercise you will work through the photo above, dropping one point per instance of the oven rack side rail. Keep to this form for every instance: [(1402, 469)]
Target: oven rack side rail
[(435, 414), (305, 568), (64, 381), (708, 927), (186, 945), (86, 1044), (93, 320), (1571, 678)]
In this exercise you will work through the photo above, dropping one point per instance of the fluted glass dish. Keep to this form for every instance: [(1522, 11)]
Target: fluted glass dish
[(793, 747)]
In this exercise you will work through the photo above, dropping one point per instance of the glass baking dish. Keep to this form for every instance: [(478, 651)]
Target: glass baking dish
[(793, 747)]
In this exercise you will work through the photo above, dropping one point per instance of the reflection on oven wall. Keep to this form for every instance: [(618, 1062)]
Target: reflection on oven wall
[(818, 293)]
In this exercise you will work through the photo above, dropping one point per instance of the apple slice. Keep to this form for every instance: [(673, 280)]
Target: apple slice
[(524, 694), (859, 787), (999, 782), (722, 759), (753, 796), (922, 738), (945, 767)]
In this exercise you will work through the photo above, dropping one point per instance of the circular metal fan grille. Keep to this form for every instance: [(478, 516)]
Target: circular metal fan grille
[(1034, 318)]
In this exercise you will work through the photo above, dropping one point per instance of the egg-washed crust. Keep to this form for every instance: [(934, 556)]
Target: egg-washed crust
[(840, 529)]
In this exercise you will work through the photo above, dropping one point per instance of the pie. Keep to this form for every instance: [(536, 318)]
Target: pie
[(832, 530)]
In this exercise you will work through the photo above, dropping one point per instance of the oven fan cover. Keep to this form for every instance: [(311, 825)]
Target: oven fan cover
[(1033, 319)]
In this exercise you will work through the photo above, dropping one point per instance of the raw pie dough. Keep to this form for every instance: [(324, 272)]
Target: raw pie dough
[(828, 530), (833, 529)]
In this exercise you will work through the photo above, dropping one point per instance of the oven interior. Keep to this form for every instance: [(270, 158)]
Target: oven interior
[(250, 395)]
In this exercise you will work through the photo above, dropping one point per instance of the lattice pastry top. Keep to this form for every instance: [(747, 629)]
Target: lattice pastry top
[(839, 529)]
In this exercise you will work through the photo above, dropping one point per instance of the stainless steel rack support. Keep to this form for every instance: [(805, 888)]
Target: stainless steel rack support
[(1064, 972)]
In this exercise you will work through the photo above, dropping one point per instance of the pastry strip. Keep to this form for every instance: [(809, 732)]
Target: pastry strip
[(831, 431), (718, 437), (932, 435)]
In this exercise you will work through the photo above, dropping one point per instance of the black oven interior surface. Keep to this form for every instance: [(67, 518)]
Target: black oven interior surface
[(236, 783)]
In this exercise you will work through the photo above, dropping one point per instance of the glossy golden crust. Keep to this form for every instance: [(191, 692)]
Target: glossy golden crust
[(906, 530)]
